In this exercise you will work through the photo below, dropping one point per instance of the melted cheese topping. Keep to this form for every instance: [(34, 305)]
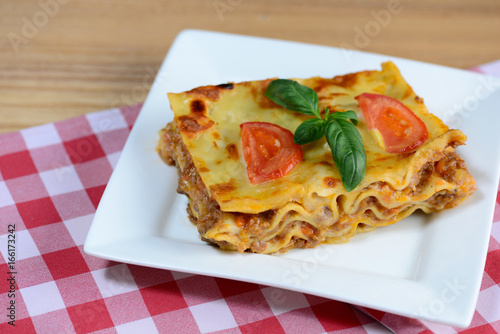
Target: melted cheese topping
[(209, 120), (309, 205)]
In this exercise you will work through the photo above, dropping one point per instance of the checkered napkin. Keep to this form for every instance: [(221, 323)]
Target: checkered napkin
[(51, 180)]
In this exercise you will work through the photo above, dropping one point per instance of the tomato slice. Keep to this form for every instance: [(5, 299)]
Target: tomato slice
[(398, 127), (269, 151)]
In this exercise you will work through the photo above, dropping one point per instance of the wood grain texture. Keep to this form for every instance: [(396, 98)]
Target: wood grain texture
[(62, 58)]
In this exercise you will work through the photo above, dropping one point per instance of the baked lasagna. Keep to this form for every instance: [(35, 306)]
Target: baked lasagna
[(308, 205)]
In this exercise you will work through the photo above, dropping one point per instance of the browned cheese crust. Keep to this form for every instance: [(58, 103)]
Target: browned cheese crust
[(309, 206)]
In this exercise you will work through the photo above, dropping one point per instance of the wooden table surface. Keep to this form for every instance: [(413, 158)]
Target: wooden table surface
[(62, 58)]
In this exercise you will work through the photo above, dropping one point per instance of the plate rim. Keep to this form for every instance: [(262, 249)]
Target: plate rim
[(103, 251)]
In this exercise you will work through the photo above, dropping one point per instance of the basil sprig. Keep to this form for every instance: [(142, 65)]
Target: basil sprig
[(339, 128)]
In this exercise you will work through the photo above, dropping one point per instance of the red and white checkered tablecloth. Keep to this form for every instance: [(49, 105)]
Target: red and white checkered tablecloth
[(51, 180)]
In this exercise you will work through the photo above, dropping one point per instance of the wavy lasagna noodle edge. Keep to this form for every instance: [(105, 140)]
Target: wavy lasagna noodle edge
[(309, 206)]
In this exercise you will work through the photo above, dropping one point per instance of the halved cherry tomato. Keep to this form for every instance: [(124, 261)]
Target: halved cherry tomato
[(400, 129), (269, 151)]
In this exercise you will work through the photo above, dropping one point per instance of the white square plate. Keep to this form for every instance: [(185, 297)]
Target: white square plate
[(427, 266)]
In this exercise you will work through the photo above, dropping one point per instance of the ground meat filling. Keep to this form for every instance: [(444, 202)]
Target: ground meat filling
[(205, 213), (447, 166)]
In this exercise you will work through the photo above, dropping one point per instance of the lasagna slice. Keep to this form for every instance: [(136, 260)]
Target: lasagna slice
[(309, 205)]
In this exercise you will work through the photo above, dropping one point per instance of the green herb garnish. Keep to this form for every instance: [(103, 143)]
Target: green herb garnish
[(339, 128)]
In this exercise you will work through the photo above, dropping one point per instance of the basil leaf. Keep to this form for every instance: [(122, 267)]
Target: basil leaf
[(343, 137), (347, 115), (309, 131), (347, 150), (294, 96)]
